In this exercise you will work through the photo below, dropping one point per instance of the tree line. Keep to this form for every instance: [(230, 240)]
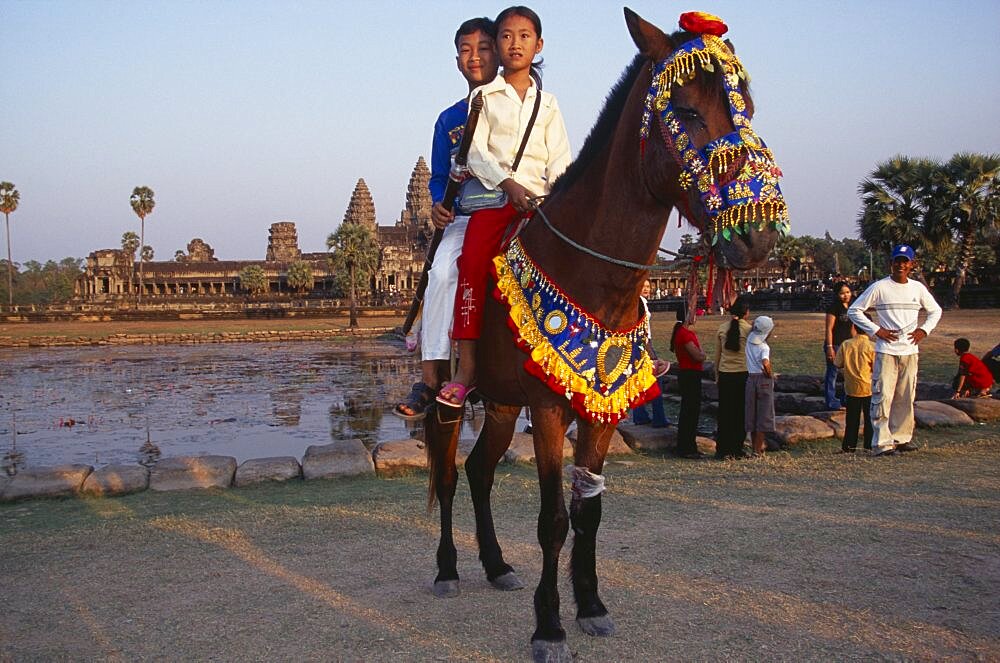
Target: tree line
[(948, 211)]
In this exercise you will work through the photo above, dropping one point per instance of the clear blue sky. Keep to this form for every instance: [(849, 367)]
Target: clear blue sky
[(240, 114)]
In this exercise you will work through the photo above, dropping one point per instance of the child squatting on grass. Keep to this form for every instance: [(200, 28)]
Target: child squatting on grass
[(974, 378)]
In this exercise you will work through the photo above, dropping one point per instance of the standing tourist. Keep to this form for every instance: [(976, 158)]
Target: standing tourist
[(690, 357), (731, 376), (760, 384), (640, 416), (839, 328), (898, 301), (477, 62), (496, 158), (856, 356)]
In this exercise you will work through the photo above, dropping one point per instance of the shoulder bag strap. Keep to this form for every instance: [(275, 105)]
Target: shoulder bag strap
[(527, 132)]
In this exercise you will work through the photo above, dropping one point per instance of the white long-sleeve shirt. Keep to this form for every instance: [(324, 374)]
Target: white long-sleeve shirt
[(499, 133), (897, 308)]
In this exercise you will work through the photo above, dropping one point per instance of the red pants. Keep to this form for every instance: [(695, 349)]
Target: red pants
[(482, 243)]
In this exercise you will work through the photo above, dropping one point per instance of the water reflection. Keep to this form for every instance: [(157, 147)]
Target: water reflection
[(149, 453), (242, 400), (286, 406)]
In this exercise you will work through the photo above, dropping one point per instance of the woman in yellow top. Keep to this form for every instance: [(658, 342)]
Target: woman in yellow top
[(731, 376)]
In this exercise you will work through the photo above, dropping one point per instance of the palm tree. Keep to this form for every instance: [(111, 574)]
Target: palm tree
[(894, 200), (965, 202), (253, 279), (9, 197), (300, 275), (356, 255), (130, 244), (789, 252), (142, 204), (146, 255)]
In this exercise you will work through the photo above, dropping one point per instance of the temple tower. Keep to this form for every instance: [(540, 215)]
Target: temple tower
[(282, 243), (200, 251), (361, 209), (417, 213)]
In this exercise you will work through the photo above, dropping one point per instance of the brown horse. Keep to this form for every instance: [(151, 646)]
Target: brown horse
[(603, 222)]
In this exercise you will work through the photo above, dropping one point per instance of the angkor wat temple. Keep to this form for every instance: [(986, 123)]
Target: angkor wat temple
[(111, 274)]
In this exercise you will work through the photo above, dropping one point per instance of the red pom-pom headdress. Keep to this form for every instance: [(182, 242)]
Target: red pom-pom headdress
[(703, 23)]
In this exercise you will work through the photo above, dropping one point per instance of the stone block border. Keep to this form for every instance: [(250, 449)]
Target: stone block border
[(345, 458)]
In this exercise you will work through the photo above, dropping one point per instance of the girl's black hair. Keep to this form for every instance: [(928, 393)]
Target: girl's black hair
[(838, 285), (681, 318), (739, 309), (524, 12)]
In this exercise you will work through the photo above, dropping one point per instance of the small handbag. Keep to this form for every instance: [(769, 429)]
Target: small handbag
[(474, 195)]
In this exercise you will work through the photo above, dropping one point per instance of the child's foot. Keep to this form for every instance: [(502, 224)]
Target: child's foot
[(454, 394), (415, 405)]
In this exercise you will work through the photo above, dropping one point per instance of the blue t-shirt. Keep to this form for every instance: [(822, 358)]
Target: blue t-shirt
[(447, 135)]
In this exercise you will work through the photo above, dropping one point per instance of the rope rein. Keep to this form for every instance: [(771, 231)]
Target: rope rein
[(591, 252)]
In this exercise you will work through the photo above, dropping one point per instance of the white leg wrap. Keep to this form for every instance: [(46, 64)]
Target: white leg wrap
[(585, 483)]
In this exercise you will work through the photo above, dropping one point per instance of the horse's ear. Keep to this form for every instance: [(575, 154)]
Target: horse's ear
[(731, 47), (651, 40)]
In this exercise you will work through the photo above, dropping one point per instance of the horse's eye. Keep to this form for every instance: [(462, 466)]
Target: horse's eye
[(685, 113)]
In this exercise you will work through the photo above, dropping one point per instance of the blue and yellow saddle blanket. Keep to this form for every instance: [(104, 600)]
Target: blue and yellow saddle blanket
[(601, 372)]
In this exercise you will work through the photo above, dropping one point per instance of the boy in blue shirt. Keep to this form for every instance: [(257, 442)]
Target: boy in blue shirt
[(475, 43)]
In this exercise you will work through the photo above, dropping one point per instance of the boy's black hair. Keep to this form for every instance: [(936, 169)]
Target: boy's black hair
[(859, 329), (474, 25), (962, 345)]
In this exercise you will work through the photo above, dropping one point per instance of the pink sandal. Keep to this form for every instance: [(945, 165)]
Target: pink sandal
[(453, 394)]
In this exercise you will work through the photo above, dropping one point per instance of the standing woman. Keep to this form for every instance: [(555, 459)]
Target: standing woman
[(838, 329), (690, 357), (731, 376)]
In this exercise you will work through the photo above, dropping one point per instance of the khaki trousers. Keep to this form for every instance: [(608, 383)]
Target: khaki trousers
[(894, 386)]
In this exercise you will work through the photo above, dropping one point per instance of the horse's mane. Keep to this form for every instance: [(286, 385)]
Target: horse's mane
[(614, 105), (602, 130)]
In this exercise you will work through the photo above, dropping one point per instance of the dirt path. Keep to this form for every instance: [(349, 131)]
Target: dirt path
[(808, 556)]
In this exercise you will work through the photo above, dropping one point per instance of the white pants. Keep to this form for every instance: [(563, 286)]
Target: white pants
[(439, 298), (894, 386)]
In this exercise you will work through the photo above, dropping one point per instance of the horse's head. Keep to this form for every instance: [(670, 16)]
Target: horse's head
[(700, 152)]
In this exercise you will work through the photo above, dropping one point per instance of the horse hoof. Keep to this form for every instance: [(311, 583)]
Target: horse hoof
[(445, 589), (543, 651), (602, 626), (508, 582)]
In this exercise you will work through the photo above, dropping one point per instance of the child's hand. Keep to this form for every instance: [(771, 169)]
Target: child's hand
[(441, 217), (518, 195)]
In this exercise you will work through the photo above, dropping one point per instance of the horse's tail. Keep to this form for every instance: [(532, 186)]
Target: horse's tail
[(441, 446)]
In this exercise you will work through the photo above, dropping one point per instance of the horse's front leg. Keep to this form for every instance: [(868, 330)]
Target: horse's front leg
[(548, 642), (480, 467), (585, 514), (441, 430)]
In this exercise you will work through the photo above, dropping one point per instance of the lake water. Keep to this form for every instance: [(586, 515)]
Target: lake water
[(133, 404)]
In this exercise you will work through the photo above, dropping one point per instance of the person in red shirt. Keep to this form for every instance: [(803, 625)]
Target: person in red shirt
[(690, 356), (974, 378)]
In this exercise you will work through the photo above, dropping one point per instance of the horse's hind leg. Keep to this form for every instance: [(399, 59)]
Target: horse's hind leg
[(480, 467), (585, 515), (442, 427), (548, 642)]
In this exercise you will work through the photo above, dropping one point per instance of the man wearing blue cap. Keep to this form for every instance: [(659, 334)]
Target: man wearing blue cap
[(897, 301)]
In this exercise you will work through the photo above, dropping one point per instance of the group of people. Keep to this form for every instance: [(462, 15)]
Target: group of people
[(743, 373), (520, 147), (879, 377)]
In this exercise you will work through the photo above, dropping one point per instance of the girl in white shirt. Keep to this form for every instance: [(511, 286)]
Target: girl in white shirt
[(508, 103), (760, 384)]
